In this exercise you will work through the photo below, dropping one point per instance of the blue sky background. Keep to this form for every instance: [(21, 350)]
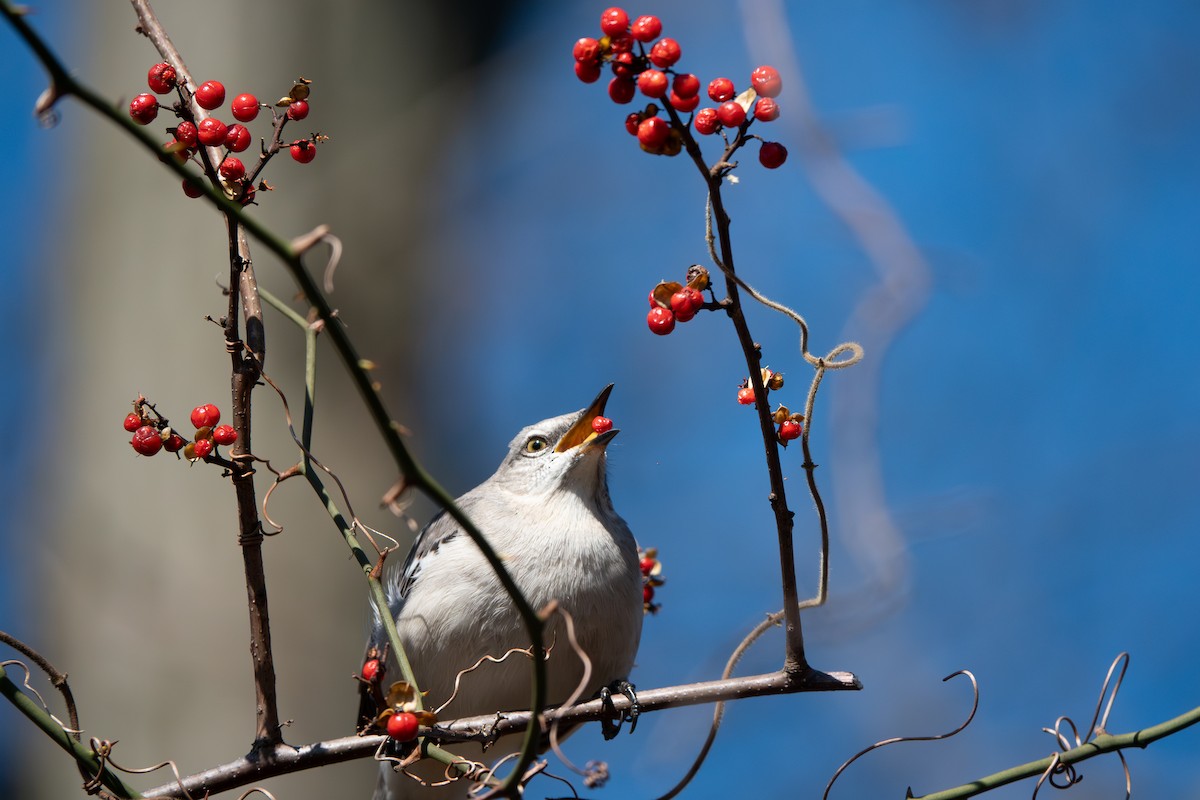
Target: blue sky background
[(1037, 429)]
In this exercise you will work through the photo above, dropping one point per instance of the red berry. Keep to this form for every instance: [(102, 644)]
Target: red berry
[(665, 53), (370, 669), (304, 151), (621, 43), (731, 114), (202, 448), (706, 121), (224, 434), (766, 81), (647, 565), (789, 429), (133, 422), (244, 107), (161, 78), (621, 90), (772, 155), (720, 90), (631, 123), (687, 301), (210, 94), (587, 71), (652, 83), (186, 132), (232, 169), (248, 195), (586, 49), (766, 109), (147, 440), (684, 104), (622, 65), (192, 188), (647, 593), (601, 424), (174, 443), (143, 109), (746, 396), (646, 28), (614, 21), (237, 138), (298, 110), (653, 132), (402, 726), (660, 320), (211, 132), (686, 85), (205, 416)]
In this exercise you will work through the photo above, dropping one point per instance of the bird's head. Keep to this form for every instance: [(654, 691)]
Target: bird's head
[(560, 453)]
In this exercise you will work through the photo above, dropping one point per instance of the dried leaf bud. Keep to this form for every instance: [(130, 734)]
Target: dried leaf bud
[(780, 414)]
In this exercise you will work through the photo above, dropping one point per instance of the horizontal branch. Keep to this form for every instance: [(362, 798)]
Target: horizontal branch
[(286, 759)]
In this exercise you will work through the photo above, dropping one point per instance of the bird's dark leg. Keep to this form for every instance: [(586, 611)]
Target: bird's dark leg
[(611, 727)]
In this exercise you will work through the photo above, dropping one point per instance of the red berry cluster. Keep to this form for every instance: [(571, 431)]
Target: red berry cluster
[(151, 431), (651, 578), (190, 134), (790, 425), (671, 302), (639, 62)]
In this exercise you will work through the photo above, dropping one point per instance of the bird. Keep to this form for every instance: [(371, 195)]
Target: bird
[(547, 513)]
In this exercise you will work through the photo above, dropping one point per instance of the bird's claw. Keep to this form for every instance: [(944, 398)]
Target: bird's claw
[(610, 727)]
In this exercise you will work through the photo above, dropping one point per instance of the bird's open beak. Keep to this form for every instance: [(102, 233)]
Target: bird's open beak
[(582, 432)]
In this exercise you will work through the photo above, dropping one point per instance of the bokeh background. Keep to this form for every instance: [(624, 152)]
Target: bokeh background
[(998, 198)]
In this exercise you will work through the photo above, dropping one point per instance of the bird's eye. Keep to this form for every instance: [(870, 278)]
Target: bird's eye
[(536, 444)]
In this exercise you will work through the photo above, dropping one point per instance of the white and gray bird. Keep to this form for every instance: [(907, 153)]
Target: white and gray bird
[(547, 513)]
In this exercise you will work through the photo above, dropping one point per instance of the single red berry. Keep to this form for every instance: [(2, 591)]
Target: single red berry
[(211, 132), (647, 593), (185, 132), (143, 109), (224, 435), (304, 151), (686, 85), (665, 53), (746, 396), (614, 21), (687, 301), (646, 28), (191, 187), (772, 155), (205, 416), (298, 110), (586, 49), (232, 169), (244, 107), (622, 65), (370, 669), (789, 429), (766, 109), (202, 448), (237, 138), (631, 123), (402, 726), (161, 78), (684, 104), (731, 114), (720, 90), (248, 195), (653, 83), (621, 90), (766, 81), (147, 440), (647, 565), (174, 443), (621, 43), (653, 132), (660, 320), (133, 422), (706, 121), (587, 71), (602, 424), (210, 94)]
